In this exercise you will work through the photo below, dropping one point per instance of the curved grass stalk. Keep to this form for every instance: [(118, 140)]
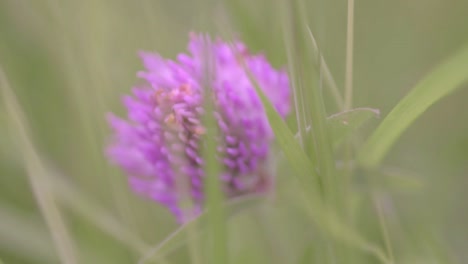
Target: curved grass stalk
[(40, 185), (22, 235), (179, 237), (439, 83), (73, 198)]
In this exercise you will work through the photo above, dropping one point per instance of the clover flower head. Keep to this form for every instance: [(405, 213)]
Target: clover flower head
[(159, 145)]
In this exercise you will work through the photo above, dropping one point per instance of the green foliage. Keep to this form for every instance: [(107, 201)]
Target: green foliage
[(343, 124), (443, 80), (68, 62), (200, 225)]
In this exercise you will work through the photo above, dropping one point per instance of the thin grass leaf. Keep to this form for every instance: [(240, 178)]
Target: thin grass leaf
[(439, 83), (293, 67), (384, 227), (344, 123), (9, 154), (70, 196), (322, 214), (215, 196), (328, 221), (350, 236), (305, 171), (327, 75), (37, 177), (22, 235), (319, 147), (179, 237), (396, 179), (348, 97), (292, 149)]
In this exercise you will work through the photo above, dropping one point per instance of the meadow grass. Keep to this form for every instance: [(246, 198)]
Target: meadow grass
[(346, 191)]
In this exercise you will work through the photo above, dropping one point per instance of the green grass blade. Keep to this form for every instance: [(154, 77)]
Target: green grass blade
[(214, 194), (23, 235), (37, 176), (384, 227), (293, 151), (443, 80), (294, 67), (179, 237), (319, 147), (327, 75), (348, 97), (344, 123), (316, 209), (77, 200), (398, 180)]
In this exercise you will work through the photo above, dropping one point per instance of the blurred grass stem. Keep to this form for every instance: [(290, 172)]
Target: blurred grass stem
[(348, 101), (37, 177)]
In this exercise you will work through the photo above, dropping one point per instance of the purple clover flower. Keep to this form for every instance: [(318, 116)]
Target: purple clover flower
[(159, 145)]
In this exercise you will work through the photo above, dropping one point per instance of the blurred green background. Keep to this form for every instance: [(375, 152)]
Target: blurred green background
[(69, 62)]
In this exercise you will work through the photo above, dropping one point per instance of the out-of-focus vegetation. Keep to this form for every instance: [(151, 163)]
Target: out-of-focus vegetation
[(66, 63)]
